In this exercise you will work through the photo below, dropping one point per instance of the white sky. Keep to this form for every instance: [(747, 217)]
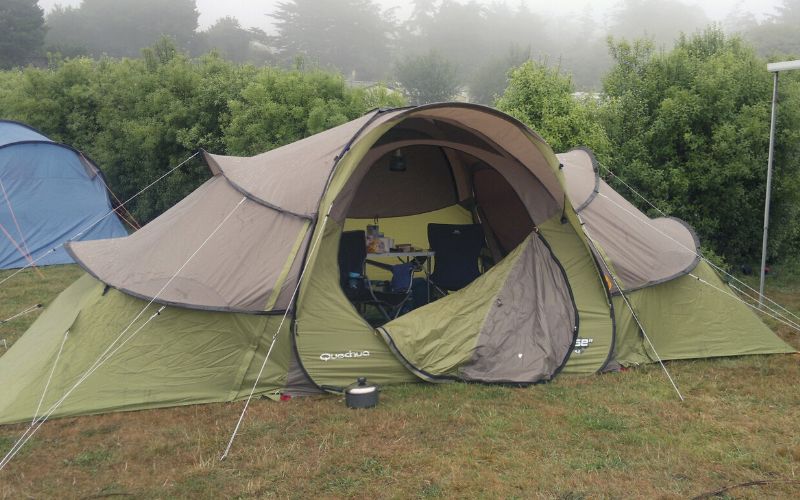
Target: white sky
[(252, 13)]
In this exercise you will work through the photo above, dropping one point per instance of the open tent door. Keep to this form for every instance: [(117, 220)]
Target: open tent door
[(515, 324)]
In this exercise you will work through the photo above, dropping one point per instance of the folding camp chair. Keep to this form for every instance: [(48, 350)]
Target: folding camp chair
[(358, 288), (457, 249)]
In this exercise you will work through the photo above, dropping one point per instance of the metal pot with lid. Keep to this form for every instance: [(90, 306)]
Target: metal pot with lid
[(361, 394)]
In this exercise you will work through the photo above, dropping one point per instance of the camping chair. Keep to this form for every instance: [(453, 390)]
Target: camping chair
[(358, 288), (457, 250)]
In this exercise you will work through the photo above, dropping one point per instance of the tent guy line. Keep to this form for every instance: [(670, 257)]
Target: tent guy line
[(638, 322), (37, 424), (132, 222), (106, 355), (275, 336), (755, 308), (716, 267), (126, 216), (50, 378), (93, 224), (27, 251), (22, 252), (648, 222), (21, 313)]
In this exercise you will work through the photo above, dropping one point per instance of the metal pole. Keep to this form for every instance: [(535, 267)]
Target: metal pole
[(769, 185)]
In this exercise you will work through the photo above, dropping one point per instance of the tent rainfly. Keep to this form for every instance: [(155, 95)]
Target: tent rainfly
[(48, 193), (259, 242)]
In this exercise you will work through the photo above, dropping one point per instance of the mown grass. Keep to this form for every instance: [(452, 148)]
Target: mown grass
[(620, 435)]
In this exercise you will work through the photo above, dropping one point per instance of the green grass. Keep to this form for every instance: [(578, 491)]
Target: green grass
[(617, 435)]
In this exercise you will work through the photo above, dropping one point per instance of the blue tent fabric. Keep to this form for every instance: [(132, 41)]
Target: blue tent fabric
[(48, 193), (11, 132)]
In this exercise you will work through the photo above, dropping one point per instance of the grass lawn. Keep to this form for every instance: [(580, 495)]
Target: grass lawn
[(615, 435)]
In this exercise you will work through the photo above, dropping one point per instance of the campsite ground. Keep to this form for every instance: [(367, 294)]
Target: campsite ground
[(615, 435)]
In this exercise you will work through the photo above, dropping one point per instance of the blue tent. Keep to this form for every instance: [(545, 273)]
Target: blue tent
[(49, 192)]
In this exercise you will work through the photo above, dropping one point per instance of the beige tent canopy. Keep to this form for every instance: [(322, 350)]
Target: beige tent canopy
[(254, 262), (643, 251)]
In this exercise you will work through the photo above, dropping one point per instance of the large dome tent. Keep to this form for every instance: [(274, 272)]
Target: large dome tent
[(246, 267), (48, 193)]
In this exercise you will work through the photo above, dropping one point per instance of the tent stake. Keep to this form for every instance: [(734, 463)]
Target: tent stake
[(21, 313)]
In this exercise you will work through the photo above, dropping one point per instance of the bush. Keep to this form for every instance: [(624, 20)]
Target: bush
[(139, 117), (690, 129)]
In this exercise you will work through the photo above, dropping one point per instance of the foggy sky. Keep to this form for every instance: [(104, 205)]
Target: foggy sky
[(252, 13)]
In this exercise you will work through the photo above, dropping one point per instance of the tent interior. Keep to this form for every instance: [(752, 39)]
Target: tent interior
[(431, 171)]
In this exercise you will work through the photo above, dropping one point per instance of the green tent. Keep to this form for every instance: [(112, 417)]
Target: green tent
[(252, 256)]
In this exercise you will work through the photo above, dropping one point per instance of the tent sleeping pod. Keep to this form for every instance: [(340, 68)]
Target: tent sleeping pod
[(684, 306), (244, 238), (48, 193)]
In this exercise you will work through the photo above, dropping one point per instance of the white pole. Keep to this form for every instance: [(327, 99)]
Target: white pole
[(774, 68), (769, 186)]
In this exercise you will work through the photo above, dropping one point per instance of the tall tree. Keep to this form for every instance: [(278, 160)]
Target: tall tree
[(428, 78), (121, 28), (22, 32), (234, 42), (659, 20), (491, 79), (779, 34), (349, 35)]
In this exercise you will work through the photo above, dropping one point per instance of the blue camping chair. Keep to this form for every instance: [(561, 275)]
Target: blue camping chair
[(457, 250), (358, 288)]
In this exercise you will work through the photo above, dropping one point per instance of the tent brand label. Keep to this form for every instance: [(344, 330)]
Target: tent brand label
[(581, 344), (328, 356)]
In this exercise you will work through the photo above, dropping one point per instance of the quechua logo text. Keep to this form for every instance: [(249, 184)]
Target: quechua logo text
[(333, 356)]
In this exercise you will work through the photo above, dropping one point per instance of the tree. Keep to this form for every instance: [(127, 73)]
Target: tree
[(472, 35), (138, 117), (428, 78), (22, 32), (351, 36), (491, 79), (234, 42), (690, 129), (120, 28), (659, 20), (278, 107), (778, 34), (542, 98)]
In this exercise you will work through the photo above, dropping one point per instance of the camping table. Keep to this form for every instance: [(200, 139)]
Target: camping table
[(405, 257)]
